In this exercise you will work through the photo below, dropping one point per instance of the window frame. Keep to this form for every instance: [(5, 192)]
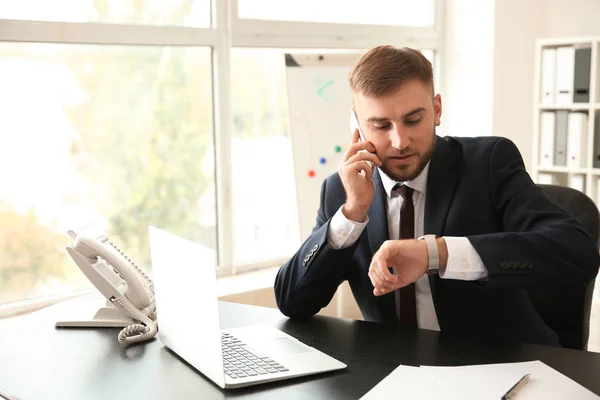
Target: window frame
[(226, 32)]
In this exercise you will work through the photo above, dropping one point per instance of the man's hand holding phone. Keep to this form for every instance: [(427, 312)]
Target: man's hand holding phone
[(356, 172)]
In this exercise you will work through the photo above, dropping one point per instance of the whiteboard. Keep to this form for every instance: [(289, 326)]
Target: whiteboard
[(319, 111)]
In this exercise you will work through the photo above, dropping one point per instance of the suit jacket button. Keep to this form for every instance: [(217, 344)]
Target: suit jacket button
[(503, 265)]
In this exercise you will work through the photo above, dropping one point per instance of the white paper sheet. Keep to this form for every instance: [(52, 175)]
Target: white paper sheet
[(407, 382), (479, 382)]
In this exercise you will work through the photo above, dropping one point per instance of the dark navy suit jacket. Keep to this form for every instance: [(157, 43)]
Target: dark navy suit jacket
[(477, 188)]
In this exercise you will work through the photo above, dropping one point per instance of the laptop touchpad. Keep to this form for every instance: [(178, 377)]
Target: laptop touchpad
[(284, 345)]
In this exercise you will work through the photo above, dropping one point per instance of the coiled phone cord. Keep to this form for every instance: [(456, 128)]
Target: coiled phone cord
[(137, 332)]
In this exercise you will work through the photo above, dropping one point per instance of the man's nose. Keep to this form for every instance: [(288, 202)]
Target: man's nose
[(399, 138)]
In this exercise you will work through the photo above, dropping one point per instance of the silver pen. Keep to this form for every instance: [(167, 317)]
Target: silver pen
[(6, 396), (513, 390)]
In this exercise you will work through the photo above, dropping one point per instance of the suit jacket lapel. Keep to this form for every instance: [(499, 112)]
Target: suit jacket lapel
[(378, 232), (443, 177), (442, 180)]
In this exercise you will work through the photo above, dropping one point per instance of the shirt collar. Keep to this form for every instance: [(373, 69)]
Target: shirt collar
[(419, 183)]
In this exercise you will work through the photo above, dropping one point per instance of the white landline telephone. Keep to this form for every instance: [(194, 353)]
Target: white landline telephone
[(128, 290)]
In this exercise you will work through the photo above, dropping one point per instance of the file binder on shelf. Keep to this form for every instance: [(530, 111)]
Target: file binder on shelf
[(596, 153), (581, 86), (548, 76), (560, 138), (547, 128), (565, 67), (576, 144)]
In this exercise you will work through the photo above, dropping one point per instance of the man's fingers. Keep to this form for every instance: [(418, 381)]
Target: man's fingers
[(362, 166), (351, 149), (381, 278), (380, 292), (378, 280), (358, 146), (381, 264), (388, 279), (368, 172), (363, 155), (379, 284), (355, 136)]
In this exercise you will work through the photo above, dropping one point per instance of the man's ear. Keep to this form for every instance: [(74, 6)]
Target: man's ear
[(437, 109)]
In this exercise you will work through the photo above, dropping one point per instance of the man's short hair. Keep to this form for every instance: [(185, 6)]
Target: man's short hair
[(383, 69)]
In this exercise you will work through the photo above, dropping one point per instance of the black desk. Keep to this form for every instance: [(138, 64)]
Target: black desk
[(38, 361)]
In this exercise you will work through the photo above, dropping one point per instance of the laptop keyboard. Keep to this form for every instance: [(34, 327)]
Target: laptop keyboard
[(241, 361)]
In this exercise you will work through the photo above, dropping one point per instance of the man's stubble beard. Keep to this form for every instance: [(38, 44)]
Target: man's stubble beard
[(423, 160)]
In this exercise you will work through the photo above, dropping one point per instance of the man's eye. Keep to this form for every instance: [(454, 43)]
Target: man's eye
[(413, 122), (382, 127)]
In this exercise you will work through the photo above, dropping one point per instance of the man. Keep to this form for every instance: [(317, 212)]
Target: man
[(496, 233)]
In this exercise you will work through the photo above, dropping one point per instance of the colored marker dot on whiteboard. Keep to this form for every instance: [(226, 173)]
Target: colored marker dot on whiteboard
[(338, 149), (311, 173), (322, 160)]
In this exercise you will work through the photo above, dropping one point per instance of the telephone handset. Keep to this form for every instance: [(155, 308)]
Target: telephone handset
[(122, 282)]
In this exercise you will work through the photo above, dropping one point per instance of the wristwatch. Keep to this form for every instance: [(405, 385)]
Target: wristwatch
[(433, 266)]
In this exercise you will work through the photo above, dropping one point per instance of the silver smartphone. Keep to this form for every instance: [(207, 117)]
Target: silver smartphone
[(354, 124)]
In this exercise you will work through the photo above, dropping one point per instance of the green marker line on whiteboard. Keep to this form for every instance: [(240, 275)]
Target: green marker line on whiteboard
[(322, 88)]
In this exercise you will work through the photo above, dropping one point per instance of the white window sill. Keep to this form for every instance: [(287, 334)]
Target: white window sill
[(247, 281), (226, 286)]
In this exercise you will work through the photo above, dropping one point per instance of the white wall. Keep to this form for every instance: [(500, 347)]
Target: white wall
[(467, 68), (518, 24), (570, 18)]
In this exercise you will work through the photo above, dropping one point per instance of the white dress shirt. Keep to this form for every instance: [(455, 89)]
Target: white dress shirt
[(463, 261)]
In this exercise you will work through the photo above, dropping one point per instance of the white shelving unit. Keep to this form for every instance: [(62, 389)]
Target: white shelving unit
[(563, 174)]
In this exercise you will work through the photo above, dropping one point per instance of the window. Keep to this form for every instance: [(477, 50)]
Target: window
[(375, 12), (192, 13), (99, 139), (265, 216)]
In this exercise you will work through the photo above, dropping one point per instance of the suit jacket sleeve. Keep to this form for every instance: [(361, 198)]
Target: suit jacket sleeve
[(541, 244), (308, 281)]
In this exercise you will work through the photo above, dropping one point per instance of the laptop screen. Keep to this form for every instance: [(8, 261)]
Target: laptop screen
[(187, 306)]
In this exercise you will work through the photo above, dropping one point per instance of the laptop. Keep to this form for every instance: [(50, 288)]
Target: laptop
[(187, 306)]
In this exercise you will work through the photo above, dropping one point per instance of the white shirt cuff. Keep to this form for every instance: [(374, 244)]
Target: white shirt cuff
[(464, 262), (343, 232)]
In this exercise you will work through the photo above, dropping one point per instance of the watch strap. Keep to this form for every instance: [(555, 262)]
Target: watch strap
[(433, 254)]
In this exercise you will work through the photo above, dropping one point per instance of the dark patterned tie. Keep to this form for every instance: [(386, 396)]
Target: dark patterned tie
[(406, 295)]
